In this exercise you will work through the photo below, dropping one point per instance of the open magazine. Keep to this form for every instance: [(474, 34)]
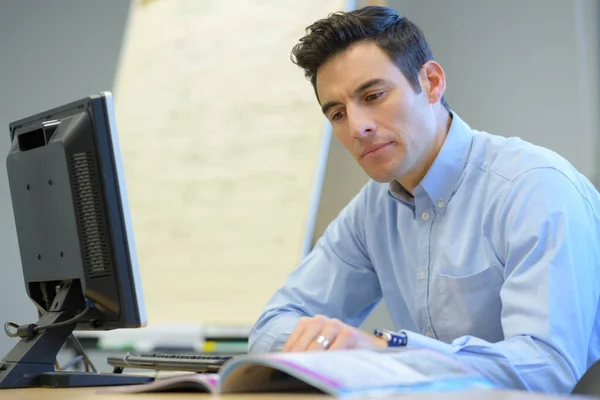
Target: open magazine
[(339, 373)]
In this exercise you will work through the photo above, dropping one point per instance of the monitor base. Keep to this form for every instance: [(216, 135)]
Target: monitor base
[(31, 362), (87, 379)]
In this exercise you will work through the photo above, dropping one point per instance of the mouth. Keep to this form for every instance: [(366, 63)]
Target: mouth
[(375, 150)]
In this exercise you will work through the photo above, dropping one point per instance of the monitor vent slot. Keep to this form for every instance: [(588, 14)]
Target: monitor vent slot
[(92, 226)]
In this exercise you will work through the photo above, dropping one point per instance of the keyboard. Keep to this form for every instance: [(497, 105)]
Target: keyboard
[(199, 362)]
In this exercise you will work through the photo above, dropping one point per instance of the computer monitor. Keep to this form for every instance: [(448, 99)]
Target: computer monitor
[(75, 239)]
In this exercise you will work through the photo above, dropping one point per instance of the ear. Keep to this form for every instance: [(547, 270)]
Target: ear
[(433, 81)]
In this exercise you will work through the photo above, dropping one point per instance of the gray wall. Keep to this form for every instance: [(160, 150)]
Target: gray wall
[(520, 68), (514, 68), (51, 52)]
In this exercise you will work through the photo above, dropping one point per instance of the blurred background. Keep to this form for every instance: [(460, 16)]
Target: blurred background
[(230, 166)]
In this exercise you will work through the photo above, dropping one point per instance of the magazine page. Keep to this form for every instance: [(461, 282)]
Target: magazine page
[(206, 383), (258, 374), (349, 372)]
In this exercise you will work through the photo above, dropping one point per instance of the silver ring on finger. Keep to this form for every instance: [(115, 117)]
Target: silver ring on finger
[(323, 341)]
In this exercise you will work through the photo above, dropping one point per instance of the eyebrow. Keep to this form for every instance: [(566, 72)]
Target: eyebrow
[(363, 86)]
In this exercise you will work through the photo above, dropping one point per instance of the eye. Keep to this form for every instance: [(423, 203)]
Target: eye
[(374, 96), (337, 116)]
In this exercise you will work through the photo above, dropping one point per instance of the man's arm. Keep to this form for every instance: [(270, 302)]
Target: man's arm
[(336, 279), (548, 237)]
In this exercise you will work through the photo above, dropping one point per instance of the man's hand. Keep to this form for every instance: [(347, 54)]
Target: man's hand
[(323, 333)]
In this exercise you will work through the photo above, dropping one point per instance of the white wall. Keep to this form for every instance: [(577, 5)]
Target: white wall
[(51, 52), (514, 68)]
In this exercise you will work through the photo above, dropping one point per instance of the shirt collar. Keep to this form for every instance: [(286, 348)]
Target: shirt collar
[(442, 177)]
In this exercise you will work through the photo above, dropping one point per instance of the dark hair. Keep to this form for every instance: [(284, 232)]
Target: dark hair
[(399, 38)]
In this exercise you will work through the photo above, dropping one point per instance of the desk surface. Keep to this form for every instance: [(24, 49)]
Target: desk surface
[(85, 393)]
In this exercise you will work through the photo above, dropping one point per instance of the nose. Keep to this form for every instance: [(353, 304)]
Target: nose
[(360, 122)]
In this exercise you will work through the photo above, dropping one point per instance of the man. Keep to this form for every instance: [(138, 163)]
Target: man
[(482, 246)]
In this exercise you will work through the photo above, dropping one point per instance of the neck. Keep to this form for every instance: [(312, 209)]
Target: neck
[(443, 121)]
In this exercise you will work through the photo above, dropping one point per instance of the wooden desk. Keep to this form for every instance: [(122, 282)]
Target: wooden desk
[(91, 393)]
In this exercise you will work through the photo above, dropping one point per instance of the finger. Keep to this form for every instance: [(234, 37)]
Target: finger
[(312, 329), (345, 339), (296, 333), (329, 332)]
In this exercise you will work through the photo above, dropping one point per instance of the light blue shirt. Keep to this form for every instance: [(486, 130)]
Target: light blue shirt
[(495, 260)]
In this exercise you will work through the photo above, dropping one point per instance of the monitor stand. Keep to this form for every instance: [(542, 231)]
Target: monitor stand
[(31, 362)]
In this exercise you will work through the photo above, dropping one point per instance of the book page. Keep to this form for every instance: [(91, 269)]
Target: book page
[(177, 383), (253, 377), (352, 371)]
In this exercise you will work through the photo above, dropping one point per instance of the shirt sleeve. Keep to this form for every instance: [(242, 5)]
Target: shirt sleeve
[(548, 236), (336, 279)]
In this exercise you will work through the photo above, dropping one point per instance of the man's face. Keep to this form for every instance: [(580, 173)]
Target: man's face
[(375, 113)]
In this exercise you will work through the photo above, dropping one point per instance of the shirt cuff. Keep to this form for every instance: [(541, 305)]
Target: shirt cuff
[(421, 341)]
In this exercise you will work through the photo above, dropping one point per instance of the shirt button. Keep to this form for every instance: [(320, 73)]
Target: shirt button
[(440, 204), (425, 216), (422, 276)]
